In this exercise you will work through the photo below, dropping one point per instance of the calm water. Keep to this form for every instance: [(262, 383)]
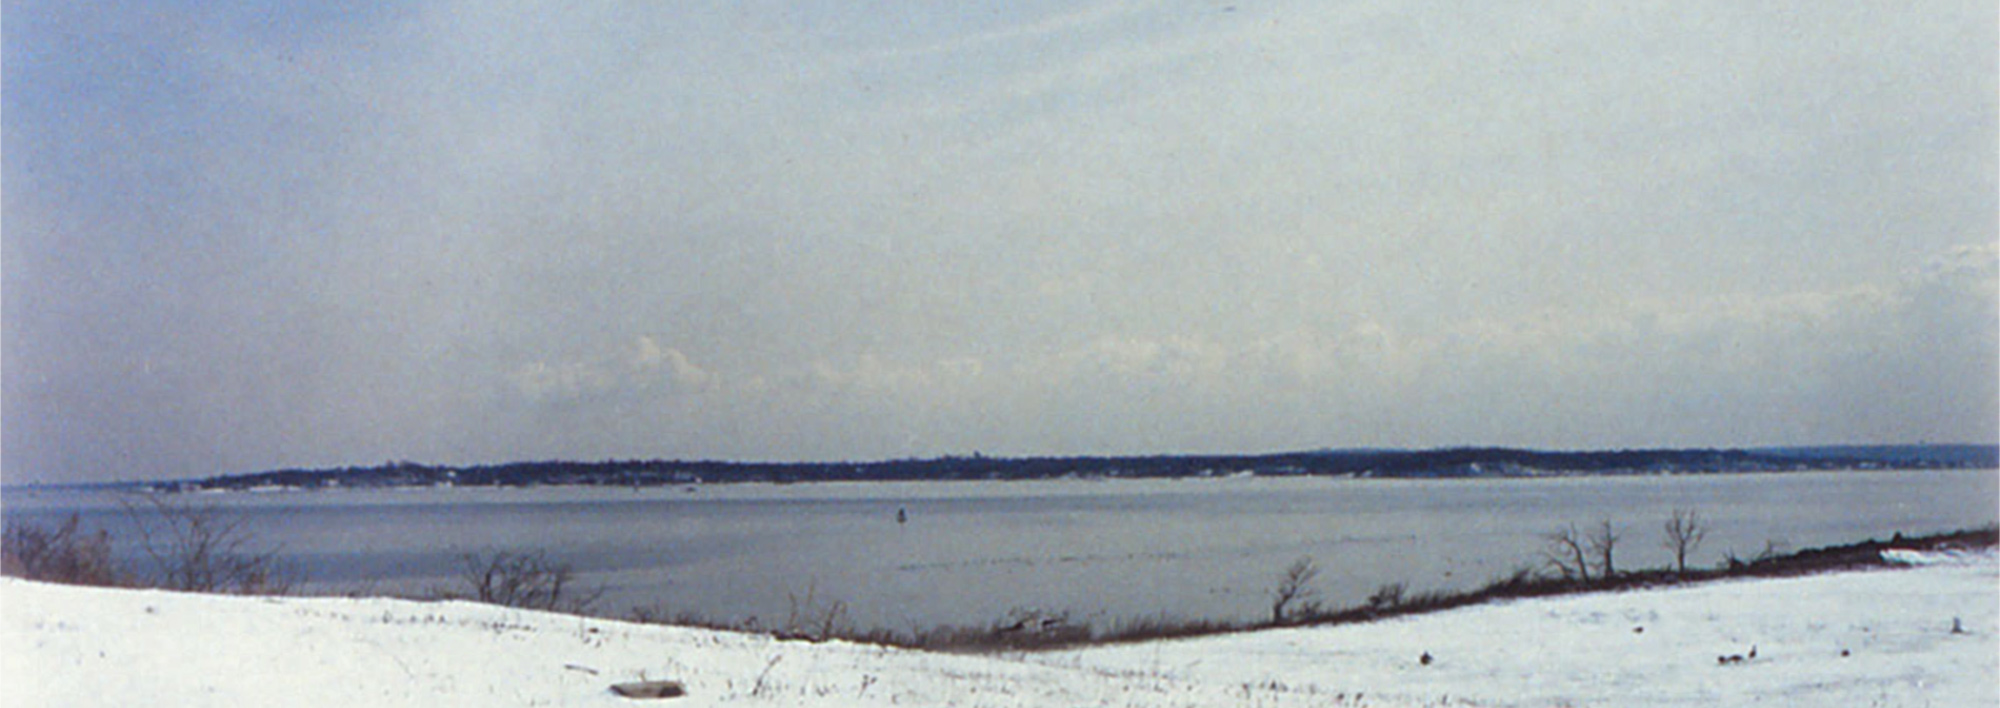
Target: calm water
[(972, 551)]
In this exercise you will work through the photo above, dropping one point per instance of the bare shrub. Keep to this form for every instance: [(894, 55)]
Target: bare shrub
[(1294, 586), (1773, 550), (806, 619), (64, 554), (1023, 628), (1568, 552), (1522, 580), (525, 580), (658, 613), (1435, 600), (1387, 597), (1683, 534), (203, 548), (1603, 542), (1146, 628)]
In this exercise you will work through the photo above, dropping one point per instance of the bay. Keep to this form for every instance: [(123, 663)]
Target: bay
[(970, 553)]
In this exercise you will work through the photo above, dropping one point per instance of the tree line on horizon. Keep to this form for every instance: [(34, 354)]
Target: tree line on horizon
[(1407, 464)]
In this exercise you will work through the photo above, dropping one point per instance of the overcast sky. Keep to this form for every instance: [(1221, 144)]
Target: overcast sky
[(274, 235)]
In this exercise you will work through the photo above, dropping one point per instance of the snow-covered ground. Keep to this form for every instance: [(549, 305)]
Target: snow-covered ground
[(1882, 638)]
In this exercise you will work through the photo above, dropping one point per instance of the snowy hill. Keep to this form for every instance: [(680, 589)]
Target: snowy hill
[(1880, 638)]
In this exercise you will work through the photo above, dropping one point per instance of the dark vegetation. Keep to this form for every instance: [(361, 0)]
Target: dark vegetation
[(525, 580), (1683, 534), (1445, 463), (1295, 586), (200, 548), (185, 546), (64, 554)]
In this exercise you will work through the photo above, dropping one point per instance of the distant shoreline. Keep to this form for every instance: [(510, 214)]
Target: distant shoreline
[(1445, 463)]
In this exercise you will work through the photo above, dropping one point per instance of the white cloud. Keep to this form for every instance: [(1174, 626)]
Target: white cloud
[(642, 367), (649, 358), (544, 381)]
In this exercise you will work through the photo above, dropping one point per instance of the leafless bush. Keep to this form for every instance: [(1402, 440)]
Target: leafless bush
[(1603, 542), (1387, 597), (203, 548), (1133, 629), (525, 580), (1568, 552), (1294, 586), (1684, 532), (658, 613), (64, 554), (650, 614), (806, 619), (1522, 579)]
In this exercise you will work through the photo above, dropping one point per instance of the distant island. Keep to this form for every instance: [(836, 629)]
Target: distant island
[(1400, 464)]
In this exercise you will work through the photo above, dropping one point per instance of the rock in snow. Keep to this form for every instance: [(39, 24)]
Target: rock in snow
[(92, 646), (649, 689)]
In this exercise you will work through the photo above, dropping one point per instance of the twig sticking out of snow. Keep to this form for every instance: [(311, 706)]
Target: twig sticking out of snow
[(758, 690)]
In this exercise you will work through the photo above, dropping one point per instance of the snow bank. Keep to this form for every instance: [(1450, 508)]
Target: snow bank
[(1853, 639), (1880, 638), (1905, 556)]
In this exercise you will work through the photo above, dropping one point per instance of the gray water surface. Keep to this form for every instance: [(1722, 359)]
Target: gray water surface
[(971, 552)]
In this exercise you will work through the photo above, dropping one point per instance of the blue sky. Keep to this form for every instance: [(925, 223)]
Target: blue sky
[(273, 234)]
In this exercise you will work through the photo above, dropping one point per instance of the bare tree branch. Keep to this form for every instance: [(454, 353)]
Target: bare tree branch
[(1684, 532), (1566, 552), (1603, 541), (62, 555), (203, 548), (525, 580), (1294, 585)]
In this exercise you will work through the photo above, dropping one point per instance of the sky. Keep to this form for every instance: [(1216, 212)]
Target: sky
[(279, 234)]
